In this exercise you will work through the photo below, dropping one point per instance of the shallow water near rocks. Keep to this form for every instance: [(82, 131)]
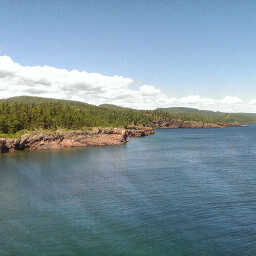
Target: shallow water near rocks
[(178, 192)]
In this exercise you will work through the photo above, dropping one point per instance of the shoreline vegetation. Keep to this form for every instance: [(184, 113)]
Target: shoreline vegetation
[(34, 123)]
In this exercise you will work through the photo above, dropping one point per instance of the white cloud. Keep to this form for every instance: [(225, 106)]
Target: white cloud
[(195, 100), (231, 100), (94, 88), (150, 90), (252, 102)]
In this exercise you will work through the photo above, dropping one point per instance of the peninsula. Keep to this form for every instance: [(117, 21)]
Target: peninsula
[(45, 140)]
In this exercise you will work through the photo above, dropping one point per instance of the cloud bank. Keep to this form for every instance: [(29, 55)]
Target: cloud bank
[(94, 88)]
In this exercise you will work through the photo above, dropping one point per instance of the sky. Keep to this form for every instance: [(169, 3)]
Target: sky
[(132, 53)]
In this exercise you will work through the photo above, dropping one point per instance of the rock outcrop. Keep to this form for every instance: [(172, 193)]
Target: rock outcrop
[(65, 139), (139, 131)]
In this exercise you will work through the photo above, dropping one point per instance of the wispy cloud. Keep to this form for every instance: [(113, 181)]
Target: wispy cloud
[(94, 88)]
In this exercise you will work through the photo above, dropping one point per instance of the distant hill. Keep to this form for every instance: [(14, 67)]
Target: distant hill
[(41, 100), (186, 110), (112, 106)]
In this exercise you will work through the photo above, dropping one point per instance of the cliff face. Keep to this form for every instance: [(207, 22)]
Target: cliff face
[(62, 139), (139, 131), (171, 123)]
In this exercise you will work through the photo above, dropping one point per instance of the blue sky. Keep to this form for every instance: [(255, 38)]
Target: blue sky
[(163, 53)]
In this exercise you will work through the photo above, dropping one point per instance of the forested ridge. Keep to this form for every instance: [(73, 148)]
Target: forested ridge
[(32, 113)]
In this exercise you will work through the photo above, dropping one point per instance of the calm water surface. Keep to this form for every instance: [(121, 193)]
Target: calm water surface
[(178, 192)]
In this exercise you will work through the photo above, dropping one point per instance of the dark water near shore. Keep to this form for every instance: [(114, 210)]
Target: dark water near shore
[(178, 192)]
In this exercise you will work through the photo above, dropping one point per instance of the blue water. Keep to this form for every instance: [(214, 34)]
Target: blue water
[(178, 192)]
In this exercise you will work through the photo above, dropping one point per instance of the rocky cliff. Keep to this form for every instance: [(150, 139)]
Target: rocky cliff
[(139, 131), (64, 139)]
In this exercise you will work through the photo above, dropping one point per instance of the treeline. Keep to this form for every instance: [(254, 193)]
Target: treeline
[(59, 114), (21, 116)]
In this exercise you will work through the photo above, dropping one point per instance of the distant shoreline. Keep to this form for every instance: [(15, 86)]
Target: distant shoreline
[(174, 124)]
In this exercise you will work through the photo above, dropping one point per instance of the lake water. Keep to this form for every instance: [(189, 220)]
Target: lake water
[(178, 192)]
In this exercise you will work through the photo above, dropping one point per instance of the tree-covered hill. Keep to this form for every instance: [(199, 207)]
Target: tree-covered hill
[(31, 113), (186, 110), (112, 106), (40, 100), (193, 114)]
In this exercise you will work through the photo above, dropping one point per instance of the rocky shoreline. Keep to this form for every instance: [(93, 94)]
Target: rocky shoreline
[(45, 140)]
